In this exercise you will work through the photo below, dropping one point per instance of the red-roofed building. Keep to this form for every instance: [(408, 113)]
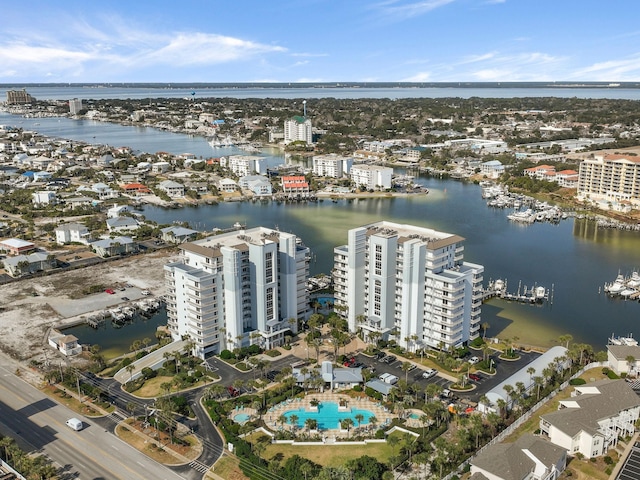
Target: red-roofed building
[(541, 172), (295, 186), (567, 178), (136, 189)]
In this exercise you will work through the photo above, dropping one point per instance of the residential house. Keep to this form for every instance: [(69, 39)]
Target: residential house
[(16, 246), (591, 420), (105, 160), (122, 224), (528, 458), (492, 168), (31, 263), (259, 185), (160, 167), (117, 211), (104, 191), (44, 197), (136, 189), (227, 185), (72, 232), (171, 188), (111, 247), (67, 344), (178, 234)]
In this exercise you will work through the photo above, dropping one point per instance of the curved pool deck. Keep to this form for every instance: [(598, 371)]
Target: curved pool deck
[(328, 417)]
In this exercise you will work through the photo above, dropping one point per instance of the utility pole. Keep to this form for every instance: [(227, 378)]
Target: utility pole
[(78, 384)]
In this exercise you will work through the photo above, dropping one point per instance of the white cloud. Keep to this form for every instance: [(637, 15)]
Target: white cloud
[(111, 49), (622, 69), (399, 10), (418, 77)]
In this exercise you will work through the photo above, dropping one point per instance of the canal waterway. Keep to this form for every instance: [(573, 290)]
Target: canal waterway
[(572, 259), (575, 257)]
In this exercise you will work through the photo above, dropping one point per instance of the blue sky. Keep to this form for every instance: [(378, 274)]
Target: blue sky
[(319, 41)]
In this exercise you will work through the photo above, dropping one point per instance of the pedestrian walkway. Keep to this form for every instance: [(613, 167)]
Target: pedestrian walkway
[(153, 360)]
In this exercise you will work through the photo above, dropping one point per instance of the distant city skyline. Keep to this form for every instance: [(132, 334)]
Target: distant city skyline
[(319, 41)]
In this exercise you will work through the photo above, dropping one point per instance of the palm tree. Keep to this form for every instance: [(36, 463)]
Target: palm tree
[(485, 327), (293, 420), (130, 368), (281, 420), (631, 363), (311, 424), (359, 418), (373, 420), (405, 368), (531, 371), (346, 423)]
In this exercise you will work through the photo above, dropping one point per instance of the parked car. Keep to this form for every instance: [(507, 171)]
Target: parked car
[(233, 391), (110, 291), (380, 355), (389, 359), (474, 360), (383, 358), (429, 373), (475, 377), (412, 367)]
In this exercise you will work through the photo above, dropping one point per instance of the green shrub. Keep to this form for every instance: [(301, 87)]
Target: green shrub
[(577, 381), (612, 375), (226, 355), (477, 342), (608, 460)]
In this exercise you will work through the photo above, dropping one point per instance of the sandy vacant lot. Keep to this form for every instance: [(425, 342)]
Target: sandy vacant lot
[(26, 318)]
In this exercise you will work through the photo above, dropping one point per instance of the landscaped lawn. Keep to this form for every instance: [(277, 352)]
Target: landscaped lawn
[(330, 455)]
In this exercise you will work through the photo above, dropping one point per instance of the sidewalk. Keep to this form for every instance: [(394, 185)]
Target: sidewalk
[(624, 456)]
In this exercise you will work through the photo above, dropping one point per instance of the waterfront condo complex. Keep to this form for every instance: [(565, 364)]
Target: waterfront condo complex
[(238, 288), (408, 283), (610, 178)]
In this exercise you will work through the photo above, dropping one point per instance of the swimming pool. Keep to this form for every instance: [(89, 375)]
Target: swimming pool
[(328, 416), (325, 300), (241, 418)]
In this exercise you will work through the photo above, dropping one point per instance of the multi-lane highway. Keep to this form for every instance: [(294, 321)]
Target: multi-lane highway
[(38, 424)]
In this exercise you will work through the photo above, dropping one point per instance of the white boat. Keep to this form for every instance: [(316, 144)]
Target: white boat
[(616, 287), (634, 281), (627, 292), (540, 293)]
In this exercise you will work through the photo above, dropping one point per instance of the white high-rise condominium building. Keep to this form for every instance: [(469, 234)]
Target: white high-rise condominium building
[(237, 289), (409, 283), (613, 178), (332, 165), (371, 176), (298, 129), (244, 165), (75, 105)]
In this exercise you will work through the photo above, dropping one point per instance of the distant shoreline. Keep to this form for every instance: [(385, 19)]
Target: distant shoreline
[(332, 85)]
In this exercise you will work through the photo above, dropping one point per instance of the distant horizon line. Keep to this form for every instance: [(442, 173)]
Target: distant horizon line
[(192, 85)]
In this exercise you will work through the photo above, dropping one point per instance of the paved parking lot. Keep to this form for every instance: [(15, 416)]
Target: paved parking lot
[(486, 382)]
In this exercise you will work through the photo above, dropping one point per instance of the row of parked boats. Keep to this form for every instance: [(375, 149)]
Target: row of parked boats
[(527, 210), (122, 315), (624, 286)]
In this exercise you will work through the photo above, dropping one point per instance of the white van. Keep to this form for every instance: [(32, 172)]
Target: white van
[(388, 378), (75, 424)]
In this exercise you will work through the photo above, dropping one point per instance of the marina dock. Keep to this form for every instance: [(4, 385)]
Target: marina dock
[(533, 295)]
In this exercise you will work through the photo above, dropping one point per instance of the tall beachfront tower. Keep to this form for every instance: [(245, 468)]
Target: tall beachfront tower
[(75, 105), (238, 288), (298, 129), (408, 283)]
